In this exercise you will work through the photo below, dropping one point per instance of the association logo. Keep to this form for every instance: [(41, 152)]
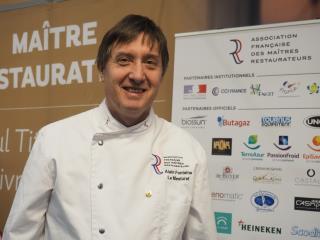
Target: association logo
[(226, 196), (223, 122), (196, 91), (222, 146), (276, 121), (223, 222), (237, 50), (283, 143), (304, 233), (227, 174), (307, 204), (313, 88), (312, 121), (264, 201), (257, 91), (243, 226), (252, 142), (194, 122), (289, 89), (216, 91), (156, 164), (315, 145), (309, 179)]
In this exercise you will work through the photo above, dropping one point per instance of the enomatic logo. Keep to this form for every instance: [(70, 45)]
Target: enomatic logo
[(223, 222), (307, 204), (312, 121), (221, 146)]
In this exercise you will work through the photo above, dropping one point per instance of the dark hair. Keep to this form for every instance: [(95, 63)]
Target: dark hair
[(128, 30)]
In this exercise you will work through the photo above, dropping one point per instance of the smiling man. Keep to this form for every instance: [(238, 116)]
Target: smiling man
[(117, 171)]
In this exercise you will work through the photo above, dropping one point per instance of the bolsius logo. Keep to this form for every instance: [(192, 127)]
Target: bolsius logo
[(278, 121), (227, 174), (156, 164), (195, 91), (235, 53), (222, 146), (258, 228), (256, 90), (301, 232), (194, 122), (288, 89), (307, 204), (264, 201), (313, 88), (315, 144), (222, 122), (283, 143), (312, 121), (223, 222), (252, 142)]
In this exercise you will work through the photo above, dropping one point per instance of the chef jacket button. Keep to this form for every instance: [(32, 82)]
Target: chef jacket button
[(149, 194), (100, 185), (102, 231), (100, 142)]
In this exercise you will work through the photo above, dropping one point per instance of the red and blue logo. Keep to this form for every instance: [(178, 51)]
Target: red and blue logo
[(157, 164)]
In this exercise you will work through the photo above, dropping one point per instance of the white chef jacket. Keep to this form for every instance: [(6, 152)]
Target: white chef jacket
[(90, 177)]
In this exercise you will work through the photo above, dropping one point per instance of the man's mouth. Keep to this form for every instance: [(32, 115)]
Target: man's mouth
[(134, 89)]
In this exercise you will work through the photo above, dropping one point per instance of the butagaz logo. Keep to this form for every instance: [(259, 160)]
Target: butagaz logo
[(312, 121), (156, 164), (194, 122), (288, 89), (313, 88), (309, 180), (222, 122), (283, 143), (217, 91), (237, 50), (278, 121), (222, 146), (227, 174), (222, 196), (307, 204), (259, 228), (223, 222), (197, 91), (256, 90), (304, 233), (264, 201), (252, 142), (315, 146)]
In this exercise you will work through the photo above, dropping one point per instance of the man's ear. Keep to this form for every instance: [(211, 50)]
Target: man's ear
[(101, 77)]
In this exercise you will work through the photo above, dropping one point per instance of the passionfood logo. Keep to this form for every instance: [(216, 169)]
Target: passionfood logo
[(264, 201)]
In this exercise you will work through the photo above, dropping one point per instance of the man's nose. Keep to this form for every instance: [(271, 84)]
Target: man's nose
[(137, 73)]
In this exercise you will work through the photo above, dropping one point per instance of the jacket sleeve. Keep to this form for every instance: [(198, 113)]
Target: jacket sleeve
[(27, 215), (200, 224)]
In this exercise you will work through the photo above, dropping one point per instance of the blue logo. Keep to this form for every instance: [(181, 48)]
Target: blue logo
[(223, 222), (252, 142), (301, 232), (283, 143), (264, 201)]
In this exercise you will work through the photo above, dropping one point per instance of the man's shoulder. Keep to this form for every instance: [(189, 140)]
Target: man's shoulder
[(71, 123)]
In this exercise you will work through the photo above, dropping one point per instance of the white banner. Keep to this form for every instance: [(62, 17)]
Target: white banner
[(251, 97)]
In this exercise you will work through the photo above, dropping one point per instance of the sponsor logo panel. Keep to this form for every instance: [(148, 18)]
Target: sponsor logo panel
[(264, 201), (307, 204), (222, 146), (223, 222)]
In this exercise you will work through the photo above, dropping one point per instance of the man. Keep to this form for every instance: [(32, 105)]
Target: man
[(117, 171)]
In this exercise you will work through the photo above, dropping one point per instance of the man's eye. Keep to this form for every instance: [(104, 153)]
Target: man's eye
[(152, 62), (123, 61)]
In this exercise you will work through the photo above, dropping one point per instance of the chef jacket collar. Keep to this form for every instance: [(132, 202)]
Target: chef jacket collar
[(109, 124)]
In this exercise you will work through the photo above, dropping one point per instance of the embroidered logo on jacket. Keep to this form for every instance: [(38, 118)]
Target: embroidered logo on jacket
[(157, 164)]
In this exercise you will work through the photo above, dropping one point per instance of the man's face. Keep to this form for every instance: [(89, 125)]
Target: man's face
[(132, 78)]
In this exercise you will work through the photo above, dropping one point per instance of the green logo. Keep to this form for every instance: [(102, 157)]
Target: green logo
[(223, 222)]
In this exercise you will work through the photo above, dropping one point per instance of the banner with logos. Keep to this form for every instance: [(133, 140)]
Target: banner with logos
[(251, 97)]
